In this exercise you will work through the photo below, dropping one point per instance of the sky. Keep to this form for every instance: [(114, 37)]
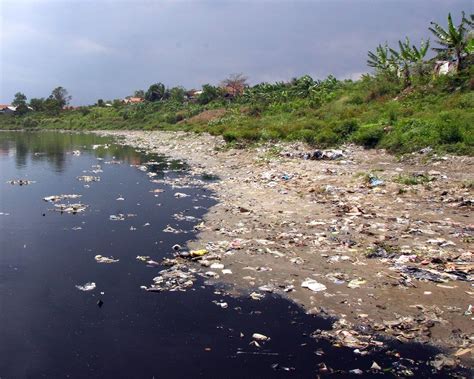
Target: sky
[(110, 48)]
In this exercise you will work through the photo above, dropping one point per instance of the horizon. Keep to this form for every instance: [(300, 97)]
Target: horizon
[(84, 47)]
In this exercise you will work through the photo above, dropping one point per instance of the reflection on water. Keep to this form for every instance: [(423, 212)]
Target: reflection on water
[(56, 147)]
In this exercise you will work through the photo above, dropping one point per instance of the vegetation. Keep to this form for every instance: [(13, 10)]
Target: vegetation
[(403, 106)]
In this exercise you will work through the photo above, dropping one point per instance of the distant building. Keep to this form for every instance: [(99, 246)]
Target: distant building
[(444, 67), (133, 100), (7, 109)]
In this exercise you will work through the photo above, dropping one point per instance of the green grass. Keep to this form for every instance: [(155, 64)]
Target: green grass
[(370, 112)]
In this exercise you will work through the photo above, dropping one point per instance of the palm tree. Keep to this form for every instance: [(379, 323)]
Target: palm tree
[(453, 40)]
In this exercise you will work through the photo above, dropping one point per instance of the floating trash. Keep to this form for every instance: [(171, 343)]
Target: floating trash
[(88, 178), (102, 259), (119, 217), (56, 198), (20, 182), (89, 286), (70, 208)]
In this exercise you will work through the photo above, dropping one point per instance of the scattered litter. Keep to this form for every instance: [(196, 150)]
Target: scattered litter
[(56, 198), (260, 337), (119, 217), (223, 305), (180, 195), (102, 259), (70, 208), (88, 178), (177, 278), (86, 287), (355, 283), (198, 253), (313, 285), (257, 296), (20, 182)]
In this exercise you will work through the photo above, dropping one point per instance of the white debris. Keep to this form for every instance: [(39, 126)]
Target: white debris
[(313, 285), (102, 259), (86, 287)]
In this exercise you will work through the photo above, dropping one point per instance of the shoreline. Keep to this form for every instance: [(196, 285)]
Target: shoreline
[(281, 220)]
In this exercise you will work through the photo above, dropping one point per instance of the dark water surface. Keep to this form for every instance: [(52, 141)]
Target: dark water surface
[(49, 328)]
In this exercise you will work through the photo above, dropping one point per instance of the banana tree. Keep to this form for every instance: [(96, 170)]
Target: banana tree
[(381, 60), (403, 58), (418, 55), (453, 40)]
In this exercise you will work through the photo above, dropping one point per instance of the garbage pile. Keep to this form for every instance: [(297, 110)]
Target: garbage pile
[(179, 277)]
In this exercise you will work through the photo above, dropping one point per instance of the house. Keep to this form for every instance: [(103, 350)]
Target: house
[(133, 100), (444, 67), (7, 109), (193, 94)]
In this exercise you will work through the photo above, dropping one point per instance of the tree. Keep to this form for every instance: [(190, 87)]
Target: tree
[(37, 104), (208, 94), (235, 84), (139, 93), (19, 99), (61, 97), (417, 55), (52, 106), (156, 92), (454, 40), (100, 103), (381, 60), (177, 94), (403, 57)]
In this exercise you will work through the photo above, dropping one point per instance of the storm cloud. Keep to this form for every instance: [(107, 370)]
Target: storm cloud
[(108, 49)]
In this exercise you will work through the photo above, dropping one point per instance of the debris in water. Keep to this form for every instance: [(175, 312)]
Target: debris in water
[(119, 217), (260, 337), (88, 178), (89, 286), (102, 259), (20, 182), (56, 198), (70, 208)]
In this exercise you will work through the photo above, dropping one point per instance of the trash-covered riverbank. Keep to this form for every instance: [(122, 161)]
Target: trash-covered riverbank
[(379, 242)]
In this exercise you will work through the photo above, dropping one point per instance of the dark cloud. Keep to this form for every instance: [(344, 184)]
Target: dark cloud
[(107, 49)]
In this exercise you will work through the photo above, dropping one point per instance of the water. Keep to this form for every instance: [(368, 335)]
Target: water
[(48, 328)]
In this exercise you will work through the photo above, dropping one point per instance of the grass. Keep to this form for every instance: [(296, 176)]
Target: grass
[(413, 179), (370, 112)]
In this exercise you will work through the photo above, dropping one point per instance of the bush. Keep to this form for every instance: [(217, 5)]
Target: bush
[(346, 128), (28, 122), (368, 135)]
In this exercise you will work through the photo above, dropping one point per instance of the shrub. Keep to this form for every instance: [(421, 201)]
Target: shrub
[(368, 135)]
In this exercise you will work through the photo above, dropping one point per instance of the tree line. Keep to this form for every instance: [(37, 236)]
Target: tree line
[(58, 99), (401, 65)]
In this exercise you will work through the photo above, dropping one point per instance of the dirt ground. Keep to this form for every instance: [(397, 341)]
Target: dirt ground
[(393, 258)]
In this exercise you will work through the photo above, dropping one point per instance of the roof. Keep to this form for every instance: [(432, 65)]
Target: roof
[(134, 100), (3, 106)]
